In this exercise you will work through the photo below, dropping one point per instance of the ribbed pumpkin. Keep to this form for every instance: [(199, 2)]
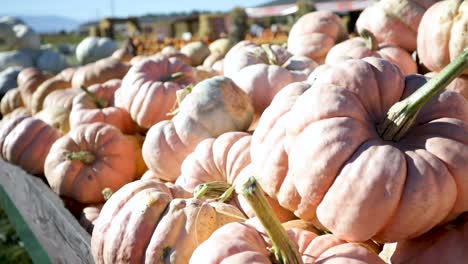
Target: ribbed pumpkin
[(48, 86), (55, 116), (196, 51), (25, 141), (149, 89), (96, 104), (20, 111), (10, 101), (394, 22), (442, 34), (89, 217), (29, 80), (215, 106), (314, 34), (157, 223), (87, 160), (360, 184), (224, 159), (98, 72), (367, 46), (61, 98)]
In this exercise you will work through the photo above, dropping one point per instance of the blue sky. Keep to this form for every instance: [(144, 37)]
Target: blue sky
[(91, 9)]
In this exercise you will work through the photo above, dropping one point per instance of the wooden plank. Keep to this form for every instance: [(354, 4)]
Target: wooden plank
[(48, 230)]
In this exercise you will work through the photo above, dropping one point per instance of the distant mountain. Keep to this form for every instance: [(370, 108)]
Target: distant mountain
[(50, 24)]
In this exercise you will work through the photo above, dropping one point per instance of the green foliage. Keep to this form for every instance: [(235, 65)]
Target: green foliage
[(238, 18), (11, 249)]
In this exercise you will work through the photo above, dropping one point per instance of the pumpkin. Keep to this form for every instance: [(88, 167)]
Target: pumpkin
[(11, 101), (15, 58), (28, 81), (7, 37), (215, 106), (99, 72), (137, 141), (149, 89), (196, 51), (127, 52), (459, 85), (442, 33), (88, 159), (219, 66), (314, 34), (170, 52), (52, 61), (444, 244), (26, 37), (44, 89), (394, 22), (203, 73), (367, 46), (224, 159), (92, 49), (67, 74), (149, 174), (25, 141), (61, 98), (8, 79), (89, 217), (331, 139), (20, 111), (96, 104), (56, 117), (158, 223)]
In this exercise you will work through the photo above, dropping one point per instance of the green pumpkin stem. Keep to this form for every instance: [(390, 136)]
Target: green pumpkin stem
[(101, 103), (84, 156), (218, 190), (173, 77), (401, 115), (270, 54), (107, 193), (371, 41), (284, 250)]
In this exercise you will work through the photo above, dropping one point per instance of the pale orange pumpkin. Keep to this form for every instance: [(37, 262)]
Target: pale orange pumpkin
[(48, 86), (98, 72), (314, 34), (87, 160), (11, 101), (28, 81), (149, 89), (61, 98), (215, 106)]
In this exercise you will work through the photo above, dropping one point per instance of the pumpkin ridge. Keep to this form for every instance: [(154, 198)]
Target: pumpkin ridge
[(37, 140), (28, 140)]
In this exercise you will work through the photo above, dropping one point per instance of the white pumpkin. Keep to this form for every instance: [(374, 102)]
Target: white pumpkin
[(26, 37), (220, 46), (196, 51), (8, 79), (7, 37), (15, 58), (51, 61), (92, 49)]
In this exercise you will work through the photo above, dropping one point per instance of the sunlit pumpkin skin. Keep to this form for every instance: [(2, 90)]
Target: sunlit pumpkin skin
[(170, 52), (332, 140), (112, 164), (141, 167), (268, 153), (218, 66), (203, 73), (10, 101), (99, 72), (444, 244), (226, 159), (394, 22), (215, 106), (67, 74), (196, 51), (442, 34), (357, 48), (459, 85), (20, 111), (61, 98), (25, 141), (145, 94), (48, 86), (314, 34), (89, 217), (247, 242), (86, 111), (56, 117), (149, 175), (158, 223), (29, 80)]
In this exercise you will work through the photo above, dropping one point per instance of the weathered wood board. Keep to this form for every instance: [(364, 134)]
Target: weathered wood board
[(48, 230)]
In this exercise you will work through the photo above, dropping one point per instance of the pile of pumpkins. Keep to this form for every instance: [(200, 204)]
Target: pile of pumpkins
[(329, 150)]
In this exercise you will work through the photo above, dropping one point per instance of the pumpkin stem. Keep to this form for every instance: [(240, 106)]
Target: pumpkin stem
[(219, 190), (101, 103), (401, 115), (270, 54), (107, 193), (283, 249), (180, 96), (172, 77), (371, 41), (84, 156)]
